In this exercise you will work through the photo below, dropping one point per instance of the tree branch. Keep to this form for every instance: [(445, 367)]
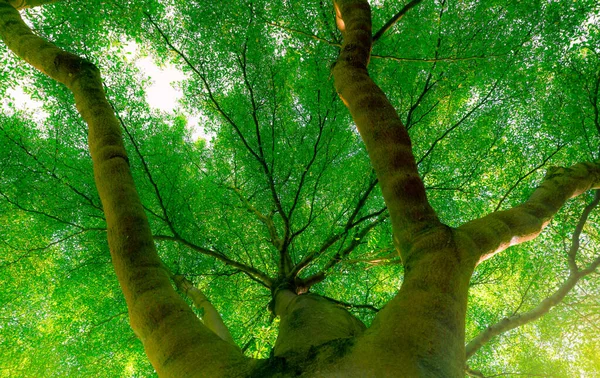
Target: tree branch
[(547, 304), (27, 253), (499, 230), (206, 86), (210, 316), (350, 224), (310, 163), (384, 135), (523, 177), (33, 211), (267, 220), (340, 255), (167, 327), (309, 35), (51, 172), (395, 19), (260, 276), (165, 216), (458, 123), (435, 59)]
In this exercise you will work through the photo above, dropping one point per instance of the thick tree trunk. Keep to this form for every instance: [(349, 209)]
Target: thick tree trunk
[(176, 342), (421, 331), (308, 321)]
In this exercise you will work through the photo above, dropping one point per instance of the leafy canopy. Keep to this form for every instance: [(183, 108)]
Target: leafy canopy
[(492, 93)]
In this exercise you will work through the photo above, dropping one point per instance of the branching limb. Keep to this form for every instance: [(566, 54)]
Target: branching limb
[(501, 229), (350, 224), (51, 172), (267, 220), (436, 59), (253, 272), (163, 208), (361, 202), (257, 154), (388, 25), (322, 121), (384, 135), (390, 258), (547, 304), (340, 255), (428, 83), (483, 101), (28, 253), (309, 35), (204, 80), (523, 177), (38, 212), (210, 316)]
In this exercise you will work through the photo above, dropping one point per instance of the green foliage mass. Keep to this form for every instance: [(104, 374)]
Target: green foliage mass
[(492, 92)]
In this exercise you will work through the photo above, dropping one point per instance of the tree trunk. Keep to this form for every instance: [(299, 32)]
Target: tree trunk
[(176, 342)]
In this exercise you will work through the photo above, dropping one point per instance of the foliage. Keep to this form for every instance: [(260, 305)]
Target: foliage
[(492, 94)]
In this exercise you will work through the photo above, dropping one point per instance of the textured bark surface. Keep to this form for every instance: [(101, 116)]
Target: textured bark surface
[(210, 316), (575, 275), (421, 331), (308, 321)]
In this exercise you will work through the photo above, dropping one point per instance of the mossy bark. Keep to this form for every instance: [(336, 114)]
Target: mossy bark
[(308, 321)]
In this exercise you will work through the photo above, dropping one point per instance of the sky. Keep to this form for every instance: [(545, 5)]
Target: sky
[(163, 94)]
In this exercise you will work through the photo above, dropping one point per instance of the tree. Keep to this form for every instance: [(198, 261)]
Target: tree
[(284, 204)]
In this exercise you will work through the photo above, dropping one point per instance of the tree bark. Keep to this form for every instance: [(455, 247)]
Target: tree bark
[(176, 342), (421, 331), (384, 135), (309, 321), (548, 303), (211, 317), (418, 333)]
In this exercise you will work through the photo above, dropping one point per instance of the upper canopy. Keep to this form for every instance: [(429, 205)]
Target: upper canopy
[(20, 4)]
